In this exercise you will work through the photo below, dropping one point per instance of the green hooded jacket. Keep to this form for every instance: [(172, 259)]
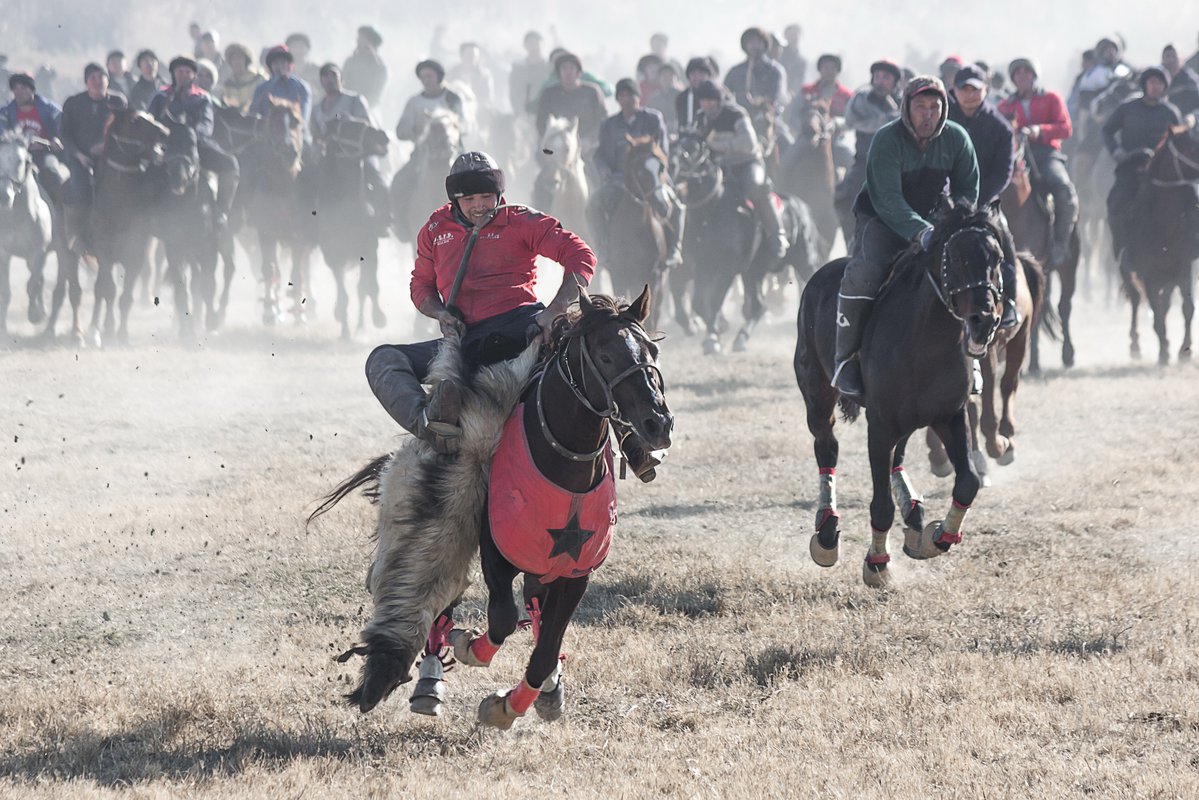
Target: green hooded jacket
[(903, 183)]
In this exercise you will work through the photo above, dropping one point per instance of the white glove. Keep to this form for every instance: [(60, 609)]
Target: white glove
[(925, 238)]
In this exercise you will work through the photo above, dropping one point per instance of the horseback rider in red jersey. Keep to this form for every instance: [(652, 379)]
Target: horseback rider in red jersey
[(1041, 115), (493, 246)]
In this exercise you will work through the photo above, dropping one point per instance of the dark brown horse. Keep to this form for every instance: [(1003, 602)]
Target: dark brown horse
[(938, 310), (1029, 217), (1160, 253), (807, 170), (345, 225), (636, 227), (122, 213), (276, 209), (602, 371)]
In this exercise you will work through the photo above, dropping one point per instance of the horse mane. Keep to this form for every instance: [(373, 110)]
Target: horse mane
[(291, 107), (950, 218), (575, 323)]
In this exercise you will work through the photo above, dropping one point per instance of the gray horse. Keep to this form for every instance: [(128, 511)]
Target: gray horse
[(24, 225)]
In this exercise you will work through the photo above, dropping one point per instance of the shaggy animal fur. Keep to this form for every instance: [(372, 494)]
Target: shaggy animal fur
[(430, 519)]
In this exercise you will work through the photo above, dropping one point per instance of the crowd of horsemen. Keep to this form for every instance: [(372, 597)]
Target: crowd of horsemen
[(749, 117)]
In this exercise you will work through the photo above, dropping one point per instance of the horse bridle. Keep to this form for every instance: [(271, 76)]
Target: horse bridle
[(945, 292), (611, 411), (1179, 158), (344, 143), (688, 173)]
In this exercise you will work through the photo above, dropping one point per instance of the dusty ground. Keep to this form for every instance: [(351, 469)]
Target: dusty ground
[(168, 626)]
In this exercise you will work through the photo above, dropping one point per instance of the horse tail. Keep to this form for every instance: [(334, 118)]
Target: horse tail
[(366, 479), (1041, 310), (849, 409)]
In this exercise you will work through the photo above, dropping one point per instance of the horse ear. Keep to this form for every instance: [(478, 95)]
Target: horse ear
[(639, 308), (585, 304)]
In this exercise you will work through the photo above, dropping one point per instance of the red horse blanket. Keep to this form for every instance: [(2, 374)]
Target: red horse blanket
[(537, 525)]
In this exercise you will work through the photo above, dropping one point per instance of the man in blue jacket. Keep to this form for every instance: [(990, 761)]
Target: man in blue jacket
[(37, 118)]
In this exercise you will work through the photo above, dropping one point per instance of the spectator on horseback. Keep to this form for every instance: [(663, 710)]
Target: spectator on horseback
[(1041, 117), (1132, 135), (118, 72), (148, 83), (300, 46), (870, 108), (910, 162), (1184, 83), (794, 65), (632, 122), (573, 98), (1105, 69), (184, 101), (471, 72), (992, 138), (727, 129), (664, 95), (699, 69), (364, 71), (433, 96), (340, 104), (210, 49), (282, 86), (829, 89), (237, 90), (527, 76), (84, 119), (38, 119), (759, 84)]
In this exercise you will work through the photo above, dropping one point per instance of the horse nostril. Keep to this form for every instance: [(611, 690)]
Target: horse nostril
[(651, 426)]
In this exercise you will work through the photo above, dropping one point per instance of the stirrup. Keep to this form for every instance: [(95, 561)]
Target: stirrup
[(843, 378), (441, 436)]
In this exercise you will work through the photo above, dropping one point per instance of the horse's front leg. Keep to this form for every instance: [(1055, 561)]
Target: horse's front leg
[(1188, 314), (430, 688), (542, 684), (937, 537), (476, 648), (35, 288), (875, 572)]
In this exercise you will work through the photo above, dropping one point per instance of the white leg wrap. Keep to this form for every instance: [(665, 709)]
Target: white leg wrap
[(954, 519), (902, 488), (551, 683), (828, 490), (878, 542)]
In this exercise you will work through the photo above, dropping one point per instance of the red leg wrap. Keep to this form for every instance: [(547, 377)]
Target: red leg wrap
[(950, 538), (823, 516), (483, 649), (521, 697), (878, 559), (828, 470)]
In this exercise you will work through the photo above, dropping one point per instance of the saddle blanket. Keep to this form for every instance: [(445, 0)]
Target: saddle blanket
[(538, 526)]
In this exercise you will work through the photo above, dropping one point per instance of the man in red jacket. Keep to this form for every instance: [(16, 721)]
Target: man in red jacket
[(1042, 116), (495, 308)]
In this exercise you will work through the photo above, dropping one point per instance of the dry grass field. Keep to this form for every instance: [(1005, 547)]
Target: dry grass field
[(168, 627)]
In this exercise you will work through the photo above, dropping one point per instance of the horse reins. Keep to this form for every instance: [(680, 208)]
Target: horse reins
[(611, 411)]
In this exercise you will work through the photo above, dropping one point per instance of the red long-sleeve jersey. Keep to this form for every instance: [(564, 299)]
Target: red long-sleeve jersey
[(1045, 109), (502, 270)]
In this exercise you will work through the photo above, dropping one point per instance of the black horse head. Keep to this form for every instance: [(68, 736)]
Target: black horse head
[(965, 269), (354, 138), (616, 365), (181, 158)]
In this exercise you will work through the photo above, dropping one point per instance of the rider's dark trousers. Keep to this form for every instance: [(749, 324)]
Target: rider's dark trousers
[(1119, 203), (396, 372), (1051, 165), (873, 249)]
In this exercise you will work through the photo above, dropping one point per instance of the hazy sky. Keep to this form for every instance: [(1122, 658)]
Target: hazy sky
[(610, 35)]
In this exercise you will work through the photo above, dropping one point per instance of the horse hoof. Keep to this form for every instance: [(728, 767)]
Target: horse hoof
[(461, 640), (37, 314), (1163, 359), (876, 576), (426, 698), (712, 347), (741, 343), (942, 469), (379, 318), (550, 706), (925, 544), (97, 341), (826, 528), (494, 712), (1008, 456)]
